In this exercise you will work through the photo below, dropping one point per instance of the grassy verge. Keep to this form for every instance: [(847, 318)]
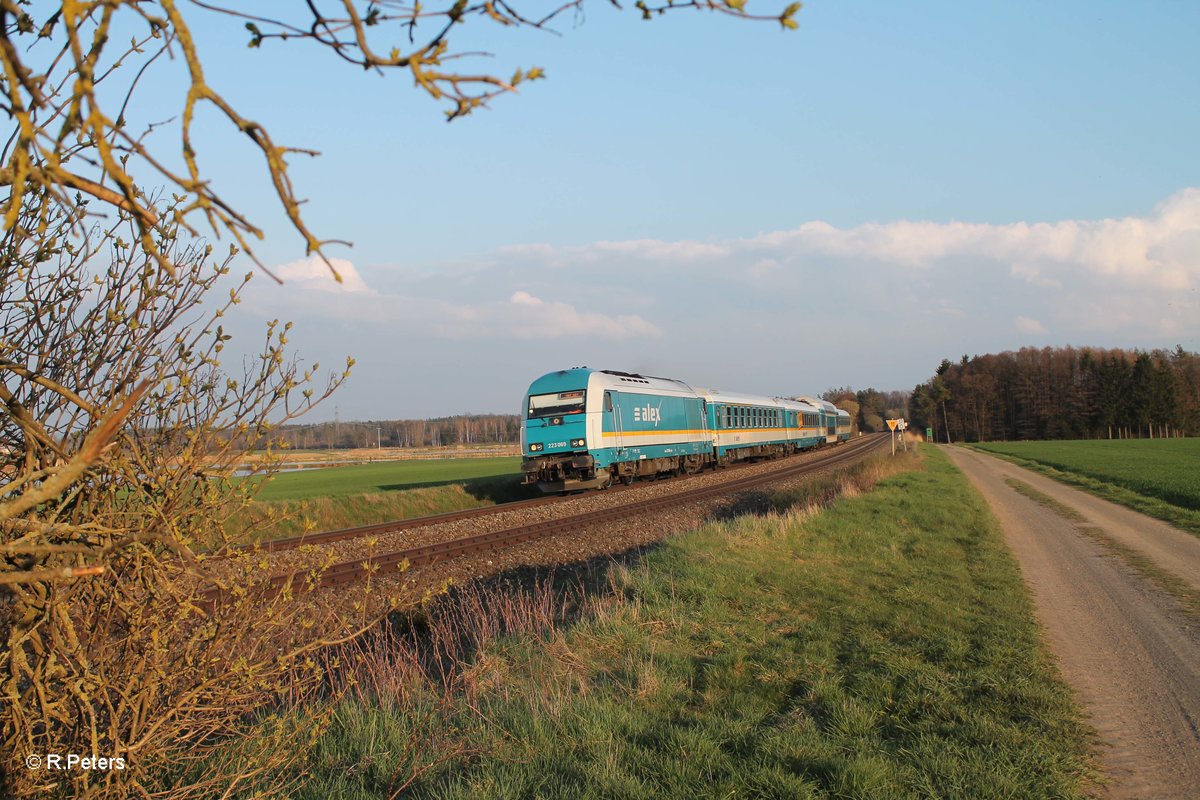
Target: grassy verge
[(1166, 490), (1168, 582), (884, 647)]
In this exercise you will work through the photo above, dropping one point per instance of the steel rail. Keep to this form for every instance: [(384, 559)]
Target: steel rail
[(384, 564), (391, 526)]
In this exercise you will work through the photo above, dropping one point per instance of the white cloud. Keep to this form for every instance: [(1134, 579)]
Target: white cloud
[(527, 317), (525, 299), (651, 250), (763, 271), (524, 316), (1029, 326), (313, 273), (1162, 248)]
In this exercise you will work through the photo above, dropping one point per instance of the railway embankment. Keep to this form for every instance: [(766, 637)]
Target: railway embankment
[(861, 634)]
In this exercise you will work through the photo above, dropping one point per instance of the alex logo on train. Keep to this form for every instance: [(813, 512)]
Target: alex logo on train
[(648, 413)]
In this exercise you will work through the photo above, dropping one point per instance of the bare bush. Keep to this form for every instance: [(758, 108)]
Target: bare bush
[(118, 441)]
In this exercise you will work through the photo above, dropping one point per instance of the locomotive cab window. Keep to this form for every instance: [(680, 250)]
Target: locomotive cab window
[(608, 401), (556, 404)]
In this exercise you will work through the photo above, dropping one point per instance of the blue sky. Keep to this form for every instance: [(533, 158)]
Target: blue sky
[(731, 204)]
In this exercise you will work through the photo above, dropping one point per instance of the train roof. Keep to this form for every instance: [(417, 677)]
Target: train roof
[(585, 377), (738, 398), (819, 403)]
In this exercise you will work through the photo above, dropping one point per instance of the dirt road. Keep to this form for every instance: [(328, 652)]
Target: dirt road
[(1130, 649)]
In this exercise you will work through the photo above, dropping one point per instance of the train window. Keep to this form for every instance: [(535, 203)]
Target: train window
[(608, 401), (556, 404)]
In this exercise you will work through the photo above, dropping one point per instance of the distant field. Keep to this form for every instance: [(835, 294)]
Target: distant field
[(384, 477), (1167, 469), (329, 498)]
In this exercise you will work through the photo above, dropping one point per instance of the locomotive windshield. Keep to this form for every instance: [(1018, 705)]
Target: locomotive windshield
[(556, 404)]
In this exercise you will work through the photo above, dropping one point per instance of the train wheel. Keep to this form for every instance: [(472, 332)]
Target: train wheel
[(607, 483), (627, 480)]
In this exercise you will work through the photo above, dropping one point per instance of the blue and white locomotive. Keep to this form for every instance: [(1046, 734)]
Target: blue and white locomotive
[(586, 428)]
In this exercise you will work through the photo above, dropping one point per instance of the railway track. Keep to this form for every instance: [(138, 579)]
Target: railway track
[(376, 529), (389, 563)]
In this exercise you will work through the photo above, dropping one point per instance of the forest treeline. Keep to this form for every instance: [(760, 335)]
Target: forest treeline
[(439, 432), (1062, 393), (869, 408), (1051, 393)]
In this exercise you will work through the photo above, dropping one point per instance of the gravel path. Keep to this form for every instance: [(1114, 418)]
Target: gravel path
[(1131, 651)]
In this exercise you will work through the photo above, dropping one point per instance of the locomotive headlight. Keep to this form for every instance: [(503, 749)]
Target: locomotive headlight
[(578, 442), (535, 447)]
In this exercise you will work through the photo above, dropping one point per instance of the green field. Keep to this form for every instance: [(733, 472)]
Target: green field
[(386, 476), (1159, 477), (883, 648), (330, 498)]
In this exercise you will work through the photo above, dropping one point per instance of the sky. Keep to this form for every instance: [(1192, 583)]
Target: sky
[(725, 202)]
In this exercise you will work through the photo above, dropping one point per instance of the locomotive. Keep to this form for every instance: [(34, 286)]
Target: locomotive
[(586, 429)]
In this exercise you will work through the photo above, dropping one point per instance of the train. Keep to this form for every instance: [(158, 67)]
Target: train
[(590, 428)]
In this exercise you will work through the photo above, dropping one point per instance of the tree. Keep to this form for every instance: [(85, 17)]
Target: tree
[(120, 422), (1062, 393), (847, 400)]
